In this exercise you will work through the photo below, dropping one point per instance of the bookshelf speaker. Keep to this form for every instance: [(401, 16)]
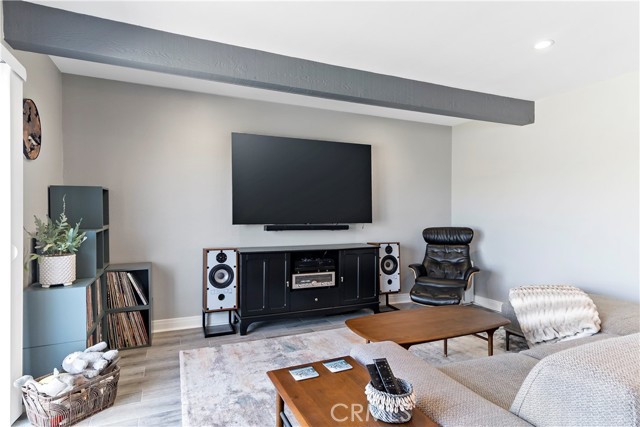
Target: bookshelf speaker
[(389, 267), (220, 290)]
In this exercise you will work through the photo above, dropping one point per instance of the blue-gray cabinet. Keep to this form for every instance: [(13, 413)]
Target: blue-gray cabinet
[(62, 319), (59, 320), (88, 205)]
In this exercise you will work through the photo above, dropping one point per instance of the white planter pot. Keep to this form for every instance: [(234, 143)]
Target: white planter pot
[(57, 270)]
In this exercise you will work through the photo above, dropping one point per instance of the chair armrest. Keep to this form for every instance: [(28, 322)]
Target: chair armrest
[(418, 270), (470, 272)]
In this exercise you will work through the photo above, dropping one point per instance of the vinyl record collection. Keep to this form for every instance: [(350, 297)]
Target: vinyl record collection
[(126, 328)]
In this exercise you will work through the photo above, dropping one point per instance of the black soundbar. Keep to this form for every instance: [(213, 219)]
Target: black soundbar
[(284, 227)]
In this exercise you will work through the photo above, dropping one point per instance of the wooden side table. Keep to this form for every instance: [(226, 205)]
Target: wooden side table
[(335, 399)]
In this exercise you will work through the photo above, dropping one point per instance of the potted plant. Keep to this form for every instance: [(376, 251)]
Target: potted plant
[(56, 245)]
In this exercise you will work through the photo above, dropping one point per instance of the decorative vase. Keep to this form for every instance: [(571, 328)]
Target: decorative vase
[(57, 270)]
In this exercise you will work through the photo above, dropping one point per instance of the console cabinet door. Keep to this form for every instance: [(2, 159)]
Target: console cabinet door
[(359, 275), (265, 283)]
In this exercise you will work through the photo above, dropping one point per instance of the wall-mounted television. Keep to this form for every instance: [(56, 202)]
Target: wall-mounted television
[(281, 180)]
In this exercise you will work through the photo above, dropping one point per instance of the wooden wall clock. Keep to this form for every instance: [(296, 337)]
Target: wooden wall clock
[(31, 129)]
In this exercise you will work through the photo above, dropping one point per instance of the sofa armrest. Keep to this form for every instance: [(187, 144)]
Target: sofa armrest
[(441, 398), (593, 384), (418, 270)]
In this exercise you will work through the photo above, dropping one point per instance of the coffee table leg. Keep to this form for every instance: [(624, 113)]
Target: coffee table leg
[(490, 341), (279, 409), (445, 348)]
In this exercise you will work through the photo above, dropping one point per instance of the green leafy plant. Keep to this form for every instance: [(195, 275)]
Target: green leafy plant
[(56, 237)]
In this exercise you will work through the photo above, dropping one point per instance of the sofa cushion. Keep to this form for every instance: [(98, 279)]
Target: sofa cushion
[(497, 378), (543, 350), (618, 317), (595, 384), (443, 399)]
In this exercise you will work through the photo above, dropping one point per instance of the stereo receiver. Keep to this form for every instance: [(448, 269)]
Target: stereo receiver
[(309, 265), (313, 280)]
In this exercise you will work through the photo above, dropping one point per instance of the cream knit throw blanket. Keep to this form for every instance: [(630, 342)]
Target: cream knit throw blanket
[(554, 312)]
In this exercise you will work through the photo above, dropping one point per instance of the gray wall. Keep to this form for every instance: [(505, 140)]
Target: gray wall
[(555, 202), (44, 86), (165, 157)]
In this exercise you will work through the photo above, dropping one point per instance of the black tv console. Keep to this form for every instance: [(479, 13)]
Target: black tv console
[(265, 281)]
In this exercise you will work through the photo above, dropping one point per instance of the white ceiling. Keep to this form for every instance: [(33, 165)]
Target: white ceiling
[(484, 46)]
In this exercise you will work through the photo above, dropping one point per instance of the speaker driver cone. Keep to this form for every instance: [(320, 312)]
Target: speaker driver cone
[(389, 265), (221, 276)]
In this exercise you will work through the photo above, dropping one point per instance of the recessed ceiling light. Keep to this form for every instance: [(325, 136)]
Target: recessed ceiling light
[(543, 44)]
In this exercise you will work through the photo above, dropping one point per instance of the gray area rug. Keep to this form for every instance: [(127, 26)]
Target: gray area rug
[(227, 385)]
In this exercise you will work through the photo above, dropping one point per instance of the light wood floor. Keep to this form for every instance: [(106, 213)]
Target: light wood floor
[(149, 385)]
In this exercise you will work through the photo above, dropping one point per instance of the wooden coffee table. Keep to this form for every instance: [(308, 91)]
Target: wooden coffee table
[(426, 324), (331, 399)]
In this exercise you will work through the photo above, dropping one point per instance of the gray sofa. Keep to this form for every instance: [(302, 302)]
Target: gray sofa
[(591, 381)]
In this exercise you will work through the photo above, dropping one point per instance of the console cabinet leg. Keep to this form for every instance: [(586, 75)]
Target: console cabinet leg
[(243, 326)]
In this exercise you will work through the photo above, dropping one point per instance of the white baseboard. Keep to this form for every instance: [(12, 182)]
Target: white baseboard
[(396, 298), (164, 325), (489, 303), (192, 322)]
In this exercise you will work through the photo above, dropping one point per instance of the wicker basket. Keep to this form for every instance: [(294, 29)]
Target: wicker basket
[(391, 408), (74, 406)]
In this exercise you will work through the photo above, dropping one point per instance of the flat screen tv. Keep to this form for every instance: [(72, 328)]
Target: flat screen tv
[(280, 180)]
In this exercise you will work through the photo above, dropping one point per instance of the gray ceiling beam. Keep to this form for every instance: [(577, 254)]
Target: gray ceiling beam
[(41, 29)]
